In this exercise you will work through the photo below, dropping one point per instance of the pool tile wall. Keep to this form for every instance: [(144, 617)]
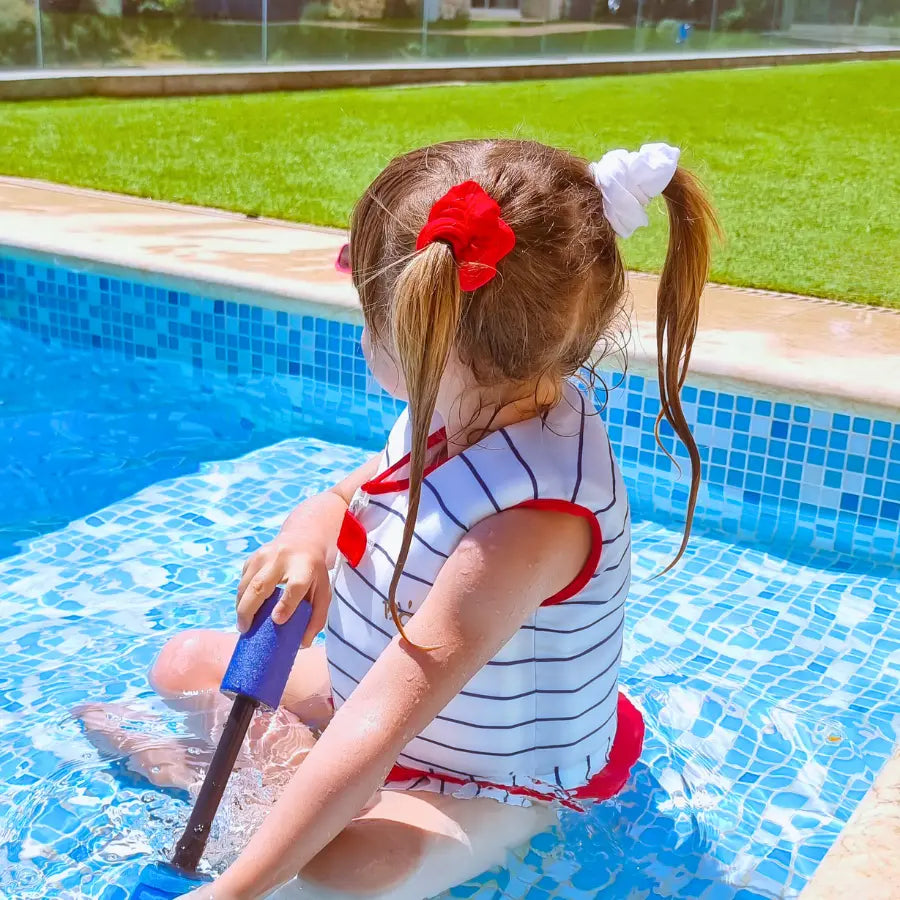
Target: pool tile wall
[(772, 470)]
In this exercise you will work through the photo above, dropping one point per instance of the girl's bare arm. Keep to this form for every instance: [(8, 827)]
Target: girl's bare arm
[(500, 573)]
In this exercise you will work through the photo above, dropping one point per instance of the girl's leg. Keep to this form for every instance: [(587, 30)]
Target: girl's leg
[(195, 661), (409, 846), (115, 730), (187, 674), (276, 744)]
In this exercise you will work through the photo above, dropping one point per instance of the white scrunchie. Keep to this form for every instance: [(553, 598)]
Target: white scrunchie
[(630, 180)]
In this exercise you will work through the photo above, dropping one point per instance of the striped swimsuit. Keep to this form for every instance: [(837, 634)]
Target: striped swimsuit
[(543, 720)]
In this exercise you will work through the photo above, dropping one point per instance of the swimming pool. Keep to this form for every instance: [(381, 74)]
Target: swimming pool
[(152, 437)]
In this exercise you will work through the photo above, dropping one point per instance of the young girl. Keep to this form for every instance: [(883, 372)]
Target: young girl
[(475, 610)]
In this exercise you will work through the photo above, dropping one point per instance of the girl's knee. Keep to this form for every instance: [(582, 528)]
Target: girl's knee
[(191, 661)]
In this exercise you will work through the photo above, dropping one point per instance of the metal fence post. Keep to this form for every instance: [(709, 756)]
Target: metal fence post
[(429, 9), (264, 22), (637, 26), (38, 36)]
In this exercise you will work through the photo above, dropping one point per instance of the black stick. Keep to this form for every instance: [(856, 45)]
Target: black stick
[(190, 848)]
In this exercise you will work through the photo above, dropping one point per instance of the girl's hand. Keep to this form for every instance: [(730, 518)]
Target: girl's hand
[(299, 558), (302, 569)]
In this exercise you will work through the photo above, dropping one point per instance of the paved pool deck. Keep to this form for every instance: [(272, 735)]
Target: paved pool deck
[(828, 354), (817, 351), (863, 863)]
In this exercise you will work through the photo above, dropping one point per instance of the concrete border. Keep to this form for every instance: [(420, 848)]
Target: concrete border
[(713, 372), (819, 353), (194, 80), (863, 862)]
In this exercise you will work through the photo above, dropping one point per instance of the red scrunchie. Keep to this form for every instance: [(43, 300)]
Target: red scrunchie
[(468, 219)]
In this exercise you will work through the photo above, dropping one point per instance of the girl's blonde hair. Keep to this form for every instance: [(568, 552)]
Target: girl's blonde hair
[(556, 295)]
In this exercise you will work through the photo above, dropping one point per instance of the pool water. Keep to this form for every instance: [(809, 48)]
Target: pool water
[(78, 432), (132, 490)]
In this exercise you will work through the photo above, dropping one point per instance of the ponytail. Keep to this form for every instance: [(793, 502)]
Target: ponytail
[(553, 245), (424, 322), (692, 224)]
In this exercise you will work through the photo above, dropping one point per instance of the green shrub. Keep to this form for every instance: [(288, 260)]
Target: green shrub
[(315, 12), (16, 33), (667, 28), (749, 15), (15, 12)]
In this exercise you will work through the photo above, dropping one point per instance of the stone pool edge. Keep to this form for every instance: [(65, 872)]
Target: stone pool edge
[(712, 371), (823, 353), (863, 861)]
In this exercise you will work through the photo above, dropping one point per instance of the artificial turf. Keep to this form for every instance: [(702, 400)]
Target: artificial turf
[(802, 161)]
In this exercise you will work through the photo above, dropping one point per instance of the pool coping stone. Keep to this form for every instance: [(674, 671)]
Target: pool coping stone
[(817, 352)]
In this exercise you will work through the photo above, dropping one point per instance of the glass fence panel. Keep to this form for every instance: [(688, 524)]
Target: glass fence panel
[(109, 33)]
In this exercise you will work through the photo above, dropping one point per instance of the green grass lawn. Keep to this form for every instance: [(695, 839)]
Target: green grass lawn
[(802, 162)]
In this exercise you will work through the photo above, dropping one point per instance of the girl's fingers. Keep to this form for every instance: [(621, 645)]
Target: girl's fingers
[(264, 571), (253, 564), (296, 588), (258, 590), (320, 598)]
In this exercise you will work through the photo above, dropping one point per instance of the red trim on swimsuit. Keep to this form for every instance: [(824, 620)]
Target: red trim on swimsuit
[(624, 753), (401, 773), (380, 485), (593, 560), (352, 539), (609, 781)]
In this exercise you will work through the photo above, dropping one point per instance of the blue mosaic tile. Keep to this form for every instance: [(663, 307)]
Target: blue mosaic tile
[(141, 321), (787, 478)]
